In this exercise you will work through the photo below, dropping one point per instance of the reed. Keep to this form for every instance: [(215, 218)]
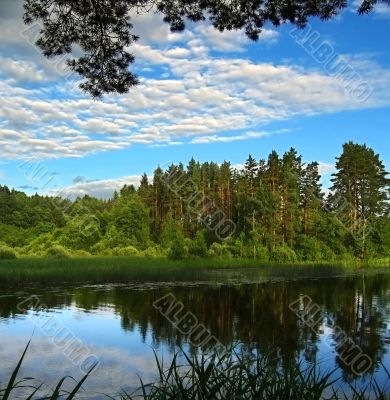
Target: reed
[(230, 376), (137, 269)]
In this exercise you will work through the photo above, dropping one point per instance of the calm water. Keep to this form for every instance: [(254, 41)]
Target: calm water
[(119, 326)]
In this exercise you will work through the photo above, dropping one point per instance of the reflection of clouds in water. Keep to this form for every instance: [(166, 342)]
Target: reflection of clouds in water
[(119, 367)]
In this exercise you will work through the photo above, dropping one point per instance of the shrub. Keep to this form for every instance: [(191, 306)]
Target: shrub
[(101, 249), (57, 251), (198, 246), (125, 251), (348, 259), (309, 249), (6, 253), (154, 251), (262, 253), (326, 253), (178, 250), (283, 254), (219, 250), (241, 247)]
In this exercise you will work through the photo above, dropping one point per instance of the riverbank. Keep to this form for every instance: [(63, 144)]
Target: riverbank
[(96, 270)]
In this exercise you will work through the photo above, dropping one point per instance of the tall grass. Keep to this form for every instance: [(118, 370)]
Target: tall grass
[(27, 384), (230, 376), (234, 377), (129, 269)]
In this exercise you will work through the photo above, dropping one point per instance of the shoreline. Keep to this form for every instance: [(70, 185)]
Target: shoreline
[(122, 270)]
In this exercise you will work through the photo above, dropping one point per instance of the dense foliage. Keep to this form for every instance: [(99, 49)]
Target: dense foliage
[(101, 29), (269, 210)]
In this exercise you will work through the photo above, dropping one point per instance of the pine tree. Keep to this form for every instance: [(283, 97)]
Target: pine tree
[(360, 190), (311, 196), (291, 173)]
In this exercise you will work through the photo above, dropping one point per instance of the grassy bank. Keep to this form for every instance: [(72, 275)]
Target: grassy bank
[(137, 269), (230, 376)]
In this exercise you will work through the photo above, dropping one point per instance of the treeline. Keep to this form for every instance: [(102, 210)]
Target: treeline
[(273, 209)]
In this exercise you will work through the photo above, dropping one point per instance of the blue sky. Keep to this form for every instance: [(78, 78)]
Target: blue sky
[(203, 94)]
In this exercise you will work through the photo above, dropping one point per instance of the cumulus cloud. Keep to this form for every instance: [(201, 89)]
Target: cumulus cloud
[(231, 41), (205, 97), (20, 71), (101, 188), (194, 96)]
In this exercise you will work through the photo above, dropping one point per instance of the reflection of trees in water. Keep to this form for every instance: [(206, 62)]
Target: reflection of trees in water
[(256, 315), (361, 316), (9, 300)]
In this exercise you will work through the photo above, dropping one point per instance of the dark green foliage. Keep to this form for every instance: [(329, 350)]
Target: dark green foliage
[(283, 254), (360, 192), (57, 252), (171, 231), (198, 247), (130, 217), (7, 253), (310, 250), (178, 249), (271, 210), (102, 29), (81, 232)]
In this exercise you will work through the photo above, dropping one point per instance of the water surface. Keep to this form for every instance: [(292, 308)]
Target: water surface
[(120, 327)]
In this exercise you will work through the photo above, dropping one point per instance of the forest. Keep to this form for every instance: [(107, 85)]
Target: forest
[(271, 210)]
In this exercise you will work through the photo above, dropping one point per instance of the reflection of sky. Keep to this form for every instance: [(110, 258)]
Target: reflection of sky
[(124, 355)]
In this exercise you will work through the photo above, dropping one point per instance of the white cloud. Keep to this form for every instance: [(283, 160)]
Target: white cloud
[(198, 98), (101, 188), (227, 139), (231, 41), (151, 28), (326, 168), (120, 367), (20, 71), (205, 100), (382, 10)]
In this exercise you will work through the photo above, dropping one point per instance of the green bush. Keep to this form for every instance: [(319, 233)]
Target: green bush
[(178, 250), (198, 246), (326, 253), (6, 253), (283, 254), (57, 251), (309, 249), (154, 251), (101, 249), (348, 259), (262, 253), (125, 251), (219, 250)]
